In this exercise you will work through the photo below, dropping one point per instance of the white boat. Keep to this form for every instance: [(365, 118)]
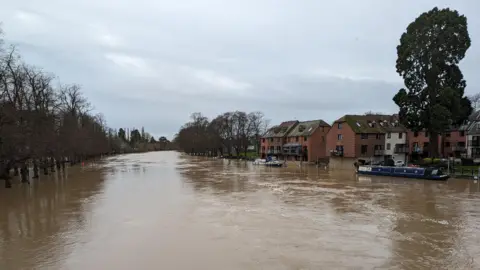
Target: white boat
[(275, 163), (259, 161)]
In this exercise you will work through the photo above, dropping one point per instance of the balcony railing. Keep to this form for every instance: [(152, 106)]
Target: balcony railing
[(417, 150), (274, 151), (400, 150), (379, 152), (459, 149)]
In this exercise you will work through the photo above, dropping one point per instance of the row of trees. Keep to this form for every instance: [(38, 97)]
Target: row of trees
[(230, 133), (427, 59), (142, 141), (43, 123)]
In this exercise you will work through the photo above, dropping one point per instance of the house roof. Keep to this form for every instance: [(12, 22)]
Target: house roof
[(373, 123), (473, 125), (280, 130), (306, 128)]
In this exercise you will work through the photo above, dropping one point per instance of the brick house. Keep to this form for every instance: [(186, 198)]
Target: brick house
[(274, 139), (364, 137), (306, 141), (452, 144)]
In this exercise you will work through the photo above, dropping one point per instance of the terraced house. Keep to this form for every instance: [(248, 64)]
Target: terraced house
[(307, 141), (294, 140), (274, 139), (369, 137)]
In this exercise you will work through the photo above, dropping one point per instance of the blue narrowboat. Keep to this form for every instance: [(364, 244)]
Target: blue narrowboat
[(407, 172)]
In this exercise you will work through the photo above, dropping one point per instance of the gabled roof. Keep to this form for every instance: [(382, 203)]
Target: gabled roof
[(373, 123), (306, 128), (281, 130)]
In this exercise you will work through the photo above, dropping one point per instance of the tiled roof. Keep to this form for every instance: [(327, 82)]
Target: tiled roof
[(280, 130), (306, 128), (373, 123)]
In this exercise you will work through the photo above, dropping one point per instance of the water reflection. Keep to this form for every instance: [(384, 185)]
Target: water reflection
[(170, 211), (36, 219), (388, 222)]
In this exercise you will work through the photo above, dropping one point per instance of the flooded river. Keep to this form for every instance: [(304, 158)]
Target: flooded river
[(164, 210)]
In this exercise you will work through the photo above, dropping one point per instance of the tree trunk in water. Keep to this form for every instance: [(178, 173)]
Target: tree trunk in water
[(15, 170), (52, 164), (433, 146), (24, 173), (5, 174), (35, 169), (45, 166)]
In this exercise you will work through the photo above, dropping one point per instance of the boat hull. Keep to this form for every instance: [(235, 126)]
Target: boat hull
[(405, 172)]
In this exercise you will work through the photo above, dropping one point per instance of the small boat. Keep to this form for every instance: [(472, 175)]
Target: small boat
[(274, 163), (406, 172), (269, 161), (259, 161)]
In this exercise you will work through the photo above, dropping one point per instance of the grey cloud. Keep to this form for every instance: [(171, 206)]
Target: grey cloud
[(152, 63)]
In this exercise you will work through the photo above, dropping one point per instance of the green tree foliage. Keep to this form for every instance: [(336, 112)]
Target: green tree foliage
[(428, 57), (121, 134), (135, 137)]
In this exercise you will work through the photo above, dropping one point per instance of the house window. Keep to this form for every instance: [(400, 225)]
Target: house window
[(389, 135), (378, 136), (296, 139), (426, 134), (415, 134), (415, 146), (305, 138), (271, 139), (400, 135), (263, 139), (339, 126), (388, 146), (364, 136), (364, 149), (447, 144), (263, 149), (339, 137), (278, 139), (462, 133), (447, 134)]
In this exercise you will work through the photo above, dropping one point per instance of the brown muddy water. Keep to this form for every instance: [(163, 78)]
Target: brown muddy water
[(164, 210)]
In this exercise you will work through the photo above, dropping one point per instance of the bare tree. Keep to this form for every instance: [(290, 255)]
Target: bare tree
[(475, 100)]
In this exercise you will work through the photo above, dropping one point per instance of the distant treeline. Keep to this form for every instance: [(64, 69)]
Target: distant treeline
[(228, 134), (44, 123)]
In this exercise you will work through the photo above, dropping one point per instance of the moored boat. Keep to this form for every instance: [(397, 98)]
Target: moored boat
[(406, 172), (259, 161), (275, 163)]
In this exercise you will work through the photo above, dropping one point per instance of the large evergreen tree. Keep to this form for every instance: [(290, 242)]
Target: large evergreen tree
[(428, 57)]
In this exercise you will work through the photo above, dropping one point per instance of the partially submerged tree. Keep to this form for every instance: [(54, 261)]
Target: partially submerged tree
[(428, 57)]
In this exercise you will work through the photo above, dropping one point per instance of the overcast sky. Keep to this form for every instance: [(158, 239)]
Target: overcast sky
[(152, 63)]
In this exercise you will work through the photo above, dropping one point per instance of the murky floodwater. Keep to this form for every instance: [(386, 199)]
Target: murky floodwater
[(164, 210)]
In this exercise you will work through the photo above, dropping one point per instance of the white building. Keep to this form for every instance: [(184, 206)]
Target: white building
[(396, 146)]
